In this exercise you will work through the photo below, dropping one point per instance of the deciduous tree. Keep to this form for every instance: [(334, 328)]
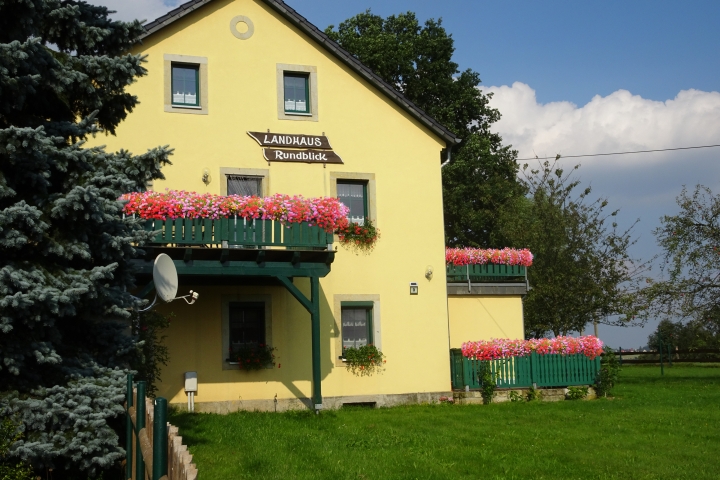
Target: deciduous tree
[(582, 271), (417, 61), (689, 286)]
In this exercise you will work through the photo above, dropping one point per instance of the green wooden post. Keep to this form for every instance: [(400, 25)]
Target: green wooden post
[(139, 425), (128, 427), (620, 355), (467, 372), (315, 319), (160, 439)]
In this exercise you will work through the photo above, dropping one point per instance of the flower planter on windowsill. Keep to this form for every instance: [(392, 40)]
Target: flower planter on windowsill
[(266, 367)]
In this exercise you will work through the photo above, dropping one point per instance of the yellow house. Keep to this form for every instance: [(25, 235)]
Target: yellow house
[(256, 100)]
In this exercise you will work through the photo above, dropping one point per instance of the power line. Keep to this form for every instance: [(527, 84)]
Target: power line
[(558, 156)]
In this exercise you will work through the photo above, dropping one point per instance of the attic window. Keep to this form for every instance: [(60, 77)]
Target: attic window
[(186, 85), (297, 93)]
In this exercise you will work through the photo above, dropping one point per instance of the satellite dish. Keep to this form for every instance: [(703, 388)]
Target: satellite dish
[(165, 278)]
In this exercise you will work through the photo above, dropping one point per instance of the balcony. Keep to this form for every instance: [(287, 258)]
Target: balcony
[(238, 233), (487, 279)]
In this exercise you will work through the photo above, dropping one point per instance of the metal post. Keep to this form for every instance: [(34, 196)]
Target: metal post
[(128, 427), (620, 354), (315, 318), (660, 349), (468, 278), (160, 439), (139, 425)]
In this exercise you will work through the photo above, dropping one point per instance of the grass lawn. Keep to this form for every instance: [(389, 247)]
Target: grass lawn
[(655, 427)]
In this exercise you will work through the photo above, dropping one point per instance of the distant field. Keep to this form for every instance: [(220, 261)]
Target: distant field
[(656, 427)]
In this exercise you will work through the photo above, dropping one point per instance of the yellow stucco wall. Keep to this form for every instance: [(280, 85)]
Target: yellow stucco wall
[(482, 317), (371, 134)]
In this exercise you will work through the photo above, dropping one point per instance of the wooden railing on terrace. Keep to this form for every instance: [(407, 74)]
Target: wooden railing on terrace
[(488, 272), (551, 370), (239, 232)]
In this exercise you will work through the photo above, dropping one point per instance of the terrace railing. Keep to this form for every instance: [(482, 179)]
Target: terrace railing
[(551, 370), (488, 272), (240, 232)]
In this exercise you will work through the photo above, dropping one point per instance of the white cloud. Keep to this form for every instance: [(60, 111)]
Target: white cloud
[(143, 10), (619, 122), (643, 185)]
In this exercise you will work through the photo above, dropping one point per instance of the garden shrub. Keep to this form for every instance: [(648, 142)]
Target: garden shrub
[(608, 375)]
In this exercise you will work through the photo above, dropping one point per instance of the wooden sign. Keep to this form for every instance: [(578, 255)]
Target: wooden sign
[(302, 156), (291, 140)]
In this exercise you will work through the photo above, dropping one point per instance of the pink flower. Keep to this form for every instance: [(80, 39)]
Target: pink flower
[(481, 256)]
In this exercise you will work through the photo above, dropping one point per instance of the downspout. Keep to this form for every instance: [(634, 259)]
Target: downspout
[(449, 156)]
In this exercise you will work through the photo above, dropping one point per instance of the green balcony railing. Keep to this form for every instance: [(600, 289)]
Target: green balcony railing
[(239, 232), (551, 370), (488, 272)]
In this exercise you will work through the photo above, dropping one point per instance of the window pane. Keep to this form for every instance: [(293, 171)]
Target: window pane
[(353, 196), (296, 97), (245, 186), (247, 323), (355, 327), (184, 85)]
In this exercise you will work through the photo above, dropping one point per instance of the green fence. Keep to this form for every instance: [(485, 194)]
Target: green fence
[(146, 444), (238, 231), (485, 273), (520, 372)]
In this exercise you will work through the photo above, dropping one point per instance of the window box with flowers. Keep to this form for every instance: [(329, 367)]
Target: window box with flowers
[(363, 361), (252, 356)]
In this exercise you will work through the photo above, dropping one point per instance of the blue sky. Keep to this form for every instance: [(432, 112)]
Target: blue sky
[(568, 50), (575, 78)]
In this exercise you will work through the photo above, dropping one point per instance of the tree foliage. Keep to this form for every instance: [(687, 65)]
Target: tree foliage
[(11, 468), (416, 60), (582, 271), (65, 274), (151, 352), (689, 288), (691, 335)]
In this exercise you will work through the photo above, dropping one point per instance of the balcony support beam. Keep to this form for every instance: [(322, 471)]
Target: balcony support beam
[(312, 305)]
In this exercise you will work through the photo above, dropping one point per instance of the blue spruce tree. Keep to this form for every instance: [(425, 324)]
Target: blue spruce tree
[(65, 249)]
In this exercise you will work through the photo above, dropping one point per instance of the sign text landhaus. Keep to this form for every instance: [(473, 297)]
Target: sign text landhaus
[(291, 140)]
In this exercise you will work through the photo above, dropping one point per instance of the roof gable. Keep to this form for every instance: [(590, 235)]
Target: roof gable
[(332, 47)]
